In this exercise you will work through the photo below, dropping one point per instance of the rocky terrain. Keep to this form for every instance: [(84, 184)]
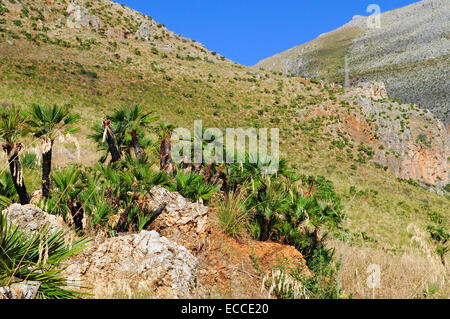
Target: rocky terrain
[(148, 264), (409, 52)]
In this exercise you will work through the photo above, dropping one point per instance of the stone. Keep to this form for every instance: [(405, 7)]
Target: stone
[(33, 219), (375, 90), (78, 16), (182, 221), (23, 290), (144, 261), (144, 31)]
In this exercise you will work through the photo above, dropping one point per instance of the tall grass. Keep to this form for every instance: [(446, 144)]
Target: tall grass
[(233, 215)]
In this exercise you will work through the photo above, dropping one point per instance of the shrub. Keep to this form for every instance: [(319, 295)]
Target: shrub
[(29, 160), (233, 215), (36, 257), (7, 188), (193, 187)]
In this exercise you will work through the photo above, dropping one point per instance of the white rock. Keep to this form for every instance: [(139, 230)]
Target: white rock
[(137, 261), (32, 218)]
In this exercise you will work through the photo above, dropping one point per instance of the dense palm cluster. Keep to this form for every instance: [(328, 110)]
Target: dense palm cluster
[(113, 196)]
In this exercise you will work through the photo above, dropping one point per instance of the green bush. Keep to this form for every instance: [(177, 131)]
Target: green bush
[(36, 257), (192, 186), (29, 160)]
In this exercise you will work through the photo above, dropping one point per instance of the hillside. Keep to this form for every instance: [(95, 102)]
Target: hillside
[(388, 160), (409, 53)]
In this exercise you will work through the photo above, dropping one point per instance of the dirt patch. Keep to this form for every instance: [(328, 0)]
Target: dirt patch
[(235, 269)]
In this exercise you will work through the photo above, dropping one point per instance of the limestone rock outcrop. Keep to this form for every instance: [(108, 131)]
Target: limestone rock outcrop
[(23, 290), (135, 262), (31, 218), (144, 31), (79, 17), (182, 221), (375, 90)]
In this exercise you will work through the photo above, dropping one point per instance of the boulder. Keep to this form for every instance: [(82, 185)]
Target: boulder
[(143, 262), (182, 221), (32, 218), (24, 290)]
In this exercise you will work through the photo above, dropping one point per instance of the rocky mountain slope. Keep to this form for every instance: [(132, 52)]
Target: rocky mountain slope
[(409, 53), (99, 55)]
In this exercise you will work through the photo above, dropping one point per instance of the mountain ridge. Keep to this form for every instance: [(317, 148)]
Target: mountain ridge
[(409, 53)]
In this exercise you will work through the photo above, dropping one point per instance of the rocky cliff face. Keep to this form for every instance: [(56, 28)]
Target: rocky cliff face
[(409, 52), (410, 142)]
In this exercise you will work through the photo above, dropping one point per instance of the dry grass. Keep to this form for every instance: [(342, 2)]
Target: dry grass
[(406, 275)]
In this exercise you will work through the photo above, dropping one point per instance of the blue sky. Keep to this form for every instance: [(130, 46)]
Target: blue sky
[(247, 31)]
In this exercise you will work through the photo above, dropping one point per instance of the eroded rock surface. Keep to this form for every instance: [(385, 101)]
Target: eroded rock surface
[(410, 142), (79, 17), (135, 262), (182, 221), (32, 218), (24, 290), (376, 90)]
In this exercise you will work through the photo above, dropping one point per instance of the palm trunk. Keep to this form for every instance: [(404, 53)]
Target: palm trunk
[(12, 150), (156, 214), (263, 221), (136, 144), (165, 156), (77, 213), (264, 227), (46, 167), (217, 175), (207, 176), (225, 185), (111, 140)]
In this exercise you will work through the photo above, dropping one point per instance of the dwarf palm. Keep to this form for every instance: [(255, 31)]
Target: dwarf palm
[(13, 126), (105, 132), (269, 202), (132, 121), (48, 123), (165, 150), (36, 257)]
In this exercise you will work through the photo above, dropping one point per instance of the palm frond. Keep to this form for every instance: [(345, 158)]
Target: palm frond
[(36, 257)]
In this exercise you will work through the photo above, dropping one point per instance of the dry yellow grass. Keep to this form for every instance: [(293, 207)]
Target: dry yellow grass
[(408, 275)]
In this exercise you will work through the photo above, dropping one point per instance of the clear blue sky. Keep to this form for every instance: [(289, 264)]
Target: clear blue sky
[(247, 31)]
